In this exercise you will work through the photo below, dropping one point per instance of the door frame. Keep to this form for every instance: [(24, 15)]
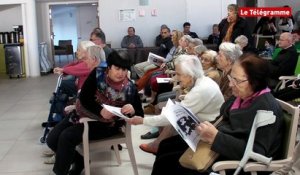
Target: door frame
[(49, 22)]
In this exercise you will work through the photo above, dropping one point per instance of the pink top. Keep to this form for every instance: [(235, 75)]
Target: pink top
[(239, 103), (78, 69)]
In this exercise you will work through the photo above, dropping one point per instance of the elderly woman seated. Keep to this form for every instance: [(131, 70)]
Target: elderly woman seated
[(209, 64), (204, 97), (228, 53), (248, 82), (80, 68), (111, 88)]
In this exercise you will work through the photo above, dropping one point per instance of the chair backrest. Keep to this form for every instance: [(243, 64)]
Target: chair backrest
[(275, 53), (290, 119), (297, 69), (261, 39), (64, 43)]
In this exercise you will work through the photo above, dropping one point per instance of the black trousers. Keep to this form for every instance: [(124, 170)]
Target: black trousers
[(167, 158), (65, 136)]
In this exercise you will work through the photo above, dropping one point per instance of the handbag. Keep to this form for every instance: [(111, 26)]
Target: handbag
[(202, 158)]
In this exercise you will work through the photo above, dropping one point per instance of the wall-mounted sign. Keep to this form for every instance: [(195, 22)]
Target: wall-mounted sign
[(127, 15), (144, 2)]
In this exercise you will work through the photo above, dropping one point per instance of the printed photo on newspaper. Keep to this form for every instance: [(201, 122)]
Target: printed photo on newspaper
[(115, 110), (184, 121), (155, 59)]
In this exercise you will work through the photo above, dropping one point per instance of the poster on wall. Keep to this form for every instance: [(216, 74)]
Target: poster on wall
[(127, 15)]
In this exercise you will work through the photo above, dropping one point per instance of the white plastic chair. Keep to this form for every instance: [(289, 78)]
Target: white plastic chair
[(122, 137), (291, 117)]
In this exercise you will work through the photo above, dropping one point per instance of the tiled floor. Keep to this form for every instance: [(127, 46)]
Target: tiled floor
[(23, 107)]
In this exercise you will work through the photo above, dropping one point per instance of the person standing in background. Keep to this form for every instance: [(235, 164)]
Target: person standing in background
[(234, 26)]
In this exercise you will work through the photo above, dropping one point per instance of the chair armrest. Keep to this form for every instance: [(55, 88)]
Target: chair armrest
[(225, 165), (85, 119), (274, 165), (287, 77)]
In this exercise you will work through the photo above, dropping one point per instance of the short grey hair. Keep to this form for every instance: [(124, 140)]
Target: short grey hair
[(197, 41), (190, 65), (188, 38), (231, 51), (200, 49), (96, 52), (212, 56), (242, 40), (85, 44)]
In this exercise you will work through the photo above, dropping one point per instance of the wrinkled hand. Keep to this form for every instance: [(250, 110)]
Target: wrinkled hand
[(131, 45), (127, 109), (136, 120), (207, 132), (163, 65), (106, 114), (58, 70)]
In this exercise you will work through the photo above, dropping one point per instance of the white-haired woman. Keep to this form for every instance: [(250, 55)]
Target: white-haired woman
[(88, 55), (209, 64), (242, 41), (228, 53), (204, 97)]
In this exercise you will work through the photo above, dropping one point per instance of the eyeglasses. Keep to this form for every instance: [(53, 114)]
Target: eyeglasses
[(235, 81)]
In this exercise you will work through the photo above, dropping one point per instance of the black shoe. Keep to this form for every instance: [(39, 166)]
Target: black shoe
[(150, 135), (50, 124), (77, 166), (119, 147)]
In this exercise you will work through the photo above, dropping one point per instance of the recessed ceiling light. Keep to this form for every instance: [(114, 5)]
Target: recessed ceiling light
[(94, 4)]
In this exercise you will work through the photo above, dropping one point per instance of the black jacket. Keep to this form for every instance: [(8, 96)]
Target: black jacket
[(240, 28), (284, 64), (235, 128)]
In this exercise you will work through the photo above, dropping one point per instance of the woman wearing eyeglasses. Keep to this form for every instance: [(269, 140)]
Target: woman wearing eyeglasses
[(248, 81)]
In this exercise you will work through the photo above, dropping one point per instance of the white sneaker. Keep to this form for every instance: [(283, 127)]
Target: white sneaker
[(50, 160)]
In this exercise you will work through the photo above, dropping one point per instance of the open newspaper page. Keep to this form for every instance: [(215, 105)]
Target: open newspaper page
[(155, 59), (115, 110), (163, 80), (184, 121)]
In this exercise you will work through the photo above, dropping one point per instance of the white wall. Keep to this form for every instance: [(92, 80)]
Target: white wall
[(10, 15), (87, 21), (173, 13)]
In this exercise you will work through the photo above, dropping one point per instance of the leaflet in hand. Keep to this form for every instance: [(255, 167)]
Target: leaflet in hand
[(163, 80), (155, 59), (115, 110), (184, 121)]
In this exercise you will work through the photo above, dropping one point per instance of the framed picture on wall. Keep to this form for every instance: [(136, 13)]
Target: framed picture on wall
[(127, 15)]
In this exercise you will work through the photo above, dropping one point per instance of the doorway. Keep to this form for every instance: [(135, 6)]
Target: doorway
[(71, 22)]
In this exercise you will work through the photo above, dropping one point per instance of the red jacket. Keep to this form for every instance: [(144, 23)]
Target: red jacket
[(79, 69)]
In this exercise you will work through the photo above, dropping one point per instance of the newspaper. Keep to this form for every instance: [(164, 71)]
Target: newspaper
[(115, 110), (155, 59), (163, 80), (184, 121)]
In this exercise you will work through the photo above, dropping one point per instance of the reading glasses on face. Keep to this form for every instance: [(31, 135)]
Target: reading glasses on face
[(235, 81)]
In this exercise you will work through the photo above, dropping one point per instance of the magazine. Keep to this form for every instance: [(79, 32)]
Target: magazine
[(184, 122), (115, 110), (155, 59), (163, 80)]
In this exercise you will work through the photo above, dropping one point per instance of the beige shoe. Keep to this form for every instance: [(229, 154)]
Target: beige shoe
[(50, 160), (48, 153)]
